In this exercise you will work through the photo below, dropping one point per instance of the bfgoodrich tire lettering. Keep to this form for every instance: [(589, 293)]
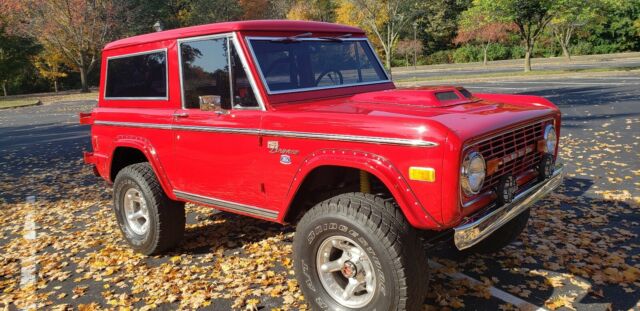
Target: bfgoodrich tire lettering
[(166, 218), (378, 227)]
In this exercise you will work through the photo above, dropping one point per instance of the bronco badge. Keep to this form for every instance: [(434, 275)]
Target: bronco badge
[(285, 159)]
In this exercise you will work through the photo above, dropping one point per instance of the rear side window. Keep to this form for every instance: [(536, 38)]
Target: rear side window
[(139, 76)]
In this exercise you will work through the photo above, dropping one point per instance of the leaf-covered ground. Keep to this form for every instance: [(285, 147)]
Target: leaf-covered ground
[(581, 249)]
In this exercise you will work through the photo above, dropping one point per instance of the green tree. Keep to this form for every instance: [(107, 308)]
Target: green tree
[(530, 16), (618, 28), (15, 54), (199, 12), (437, 25), (569, 16)]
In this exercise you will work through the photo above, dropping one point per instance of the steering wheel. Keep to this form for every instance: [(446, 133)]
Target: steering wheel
[(275, 64), (327, 72)]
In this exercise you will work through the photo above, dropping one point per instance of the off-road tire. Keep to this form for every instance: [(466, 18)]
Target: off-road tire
[(503, 236), (380, 227), (167, 217)]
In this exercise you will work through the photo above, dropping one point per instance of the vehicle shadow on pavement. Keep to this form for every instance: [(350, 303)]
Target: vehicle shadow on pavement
[(221, 230), (581, 98), (576, 248)]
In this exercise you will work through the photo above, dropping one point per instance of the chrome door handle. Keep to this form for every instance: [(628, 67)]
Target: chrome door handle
[(180, 115)]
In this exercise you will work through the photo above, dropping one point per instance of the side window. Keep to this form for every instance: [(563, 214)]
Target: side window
[(142, 76), (205, 71), (206, 74)]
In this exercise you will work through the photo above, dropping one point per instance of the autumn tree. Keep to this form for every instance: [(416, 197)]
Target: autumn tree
[(318, 10), (531, 17), (476, 27), (408, 48), (75, 29), (49, 64), (254, 9), (387, 19)]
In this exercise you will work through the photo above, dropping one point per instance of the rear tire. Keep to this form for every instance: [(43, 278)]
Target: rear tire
[(150, 222), (362, 239), (503, 236)]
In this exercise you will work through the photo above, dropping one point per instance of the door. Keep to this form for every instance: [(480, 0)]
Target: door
[(216, 139)]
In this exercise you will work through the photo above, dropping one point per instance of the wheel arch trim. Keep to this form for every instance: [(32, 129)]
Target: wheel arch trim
[(143, 145), (415, 213)]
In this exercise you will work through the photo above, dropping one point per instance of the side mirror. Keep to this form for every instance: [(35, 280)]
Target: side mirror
[(212, 103)]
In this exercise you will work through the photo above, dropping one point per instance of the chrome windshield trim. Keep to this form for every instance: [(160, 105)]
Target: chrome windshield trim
[(166, 75), (288, 134), (471, 233), (238, 207), (270, 92)]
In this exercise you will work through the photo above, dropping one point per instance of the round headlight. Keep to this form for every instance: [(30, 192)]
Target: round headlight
[(551, 139), (472, 173)]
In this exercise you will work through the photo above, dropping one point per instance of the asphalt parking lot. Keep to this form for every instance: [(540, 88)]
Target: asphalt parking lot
[(581, 249)]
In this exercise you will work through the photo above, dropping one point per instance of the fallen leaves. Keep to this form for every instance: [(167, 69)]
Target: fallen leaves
[(584, 237)]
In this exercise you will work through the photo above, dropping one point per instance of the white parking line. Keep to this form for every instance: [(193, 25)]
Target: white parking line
[(28, 264), (495, 292)]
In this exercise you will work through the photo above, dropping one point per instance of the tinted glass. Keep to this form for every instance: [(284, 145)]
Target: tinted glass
[(242, 92), (316, 63), (447, 95), (205, 71), (139, 76), (465, 93)]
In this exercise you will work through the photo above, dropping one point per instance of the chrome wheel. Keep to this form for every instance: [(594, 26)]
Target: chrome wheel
[(346, 272), (136, 212)]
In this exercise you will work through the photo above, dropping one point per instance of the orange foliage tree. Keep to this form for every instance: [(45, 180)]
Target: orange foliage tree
[(475, 27), (75, 29)]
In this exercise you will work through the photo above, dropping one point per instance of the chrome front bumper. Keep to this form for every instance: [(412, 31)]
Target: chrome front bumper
[(469, 234)]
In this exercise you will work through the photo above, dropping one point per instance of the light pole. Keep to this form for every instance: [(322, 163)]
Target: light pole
[(415, 45), (158, 26)]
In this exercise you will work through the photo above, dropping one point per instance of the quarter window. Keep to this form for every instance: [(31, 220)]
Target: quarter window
[(142, 76), (206, 74)]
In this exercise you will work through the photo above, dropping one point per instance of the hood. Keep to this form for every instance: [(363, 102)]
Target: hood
[(466, 116)]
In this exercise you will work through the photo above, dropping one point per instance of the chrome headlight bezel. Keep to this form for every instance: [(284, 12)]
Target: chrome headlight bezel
[(550, 139), (472, 173)]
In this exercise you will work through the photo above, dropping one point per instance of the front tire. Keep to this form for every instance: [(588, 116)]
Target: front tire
[(150, 222), (356, 251)]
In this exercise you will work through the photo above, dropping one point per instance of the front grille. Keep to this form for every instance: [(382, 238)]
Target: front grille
[(521, 142)]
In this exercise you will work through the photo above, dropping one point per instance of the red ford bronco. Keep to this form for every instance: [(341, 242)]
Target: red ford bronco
[(298, 122)]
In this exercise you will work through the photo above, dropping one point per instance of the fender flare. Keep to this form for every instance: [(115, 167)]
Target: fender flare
[(144, 145), (374, 164)]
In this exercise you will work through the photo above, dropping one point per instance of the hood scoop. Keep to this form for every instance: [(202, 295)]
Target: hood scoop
[(427, 97)]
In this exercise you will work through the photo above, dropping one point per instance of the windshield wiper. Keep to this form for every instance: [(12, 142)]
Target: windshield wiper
[(293, 38), (338, 38)]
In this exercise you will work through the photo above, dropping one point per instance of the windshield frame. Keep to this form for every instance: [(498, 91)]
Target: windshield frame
[(315, 88)]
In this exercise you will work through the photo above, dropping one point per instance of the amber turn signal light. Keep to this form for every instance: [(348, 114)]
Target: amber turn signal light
[(422, 174)]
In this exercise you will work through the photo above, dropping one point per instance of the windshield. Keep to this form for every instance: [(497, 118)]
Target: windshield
[(310, 64)]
